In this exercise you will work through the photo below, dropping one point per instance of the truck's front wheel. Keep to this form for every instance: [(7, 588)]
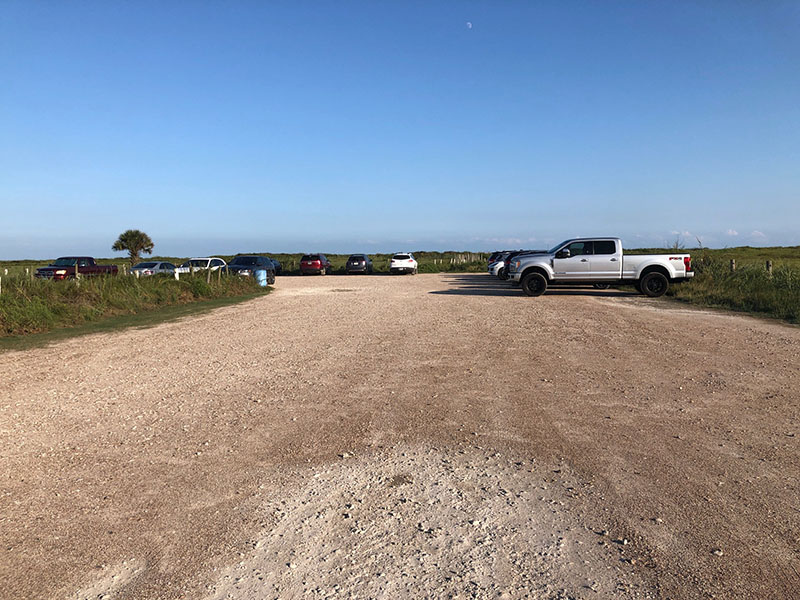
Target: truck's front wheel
[(534, 284), (654, 284)]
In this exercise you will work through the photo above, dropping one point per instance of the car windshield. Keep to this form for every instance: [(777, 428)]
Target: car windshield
[(357, 257), (244, 261), (64, 262), (401, 257), (556, 247), (148, 265), (308, 257)]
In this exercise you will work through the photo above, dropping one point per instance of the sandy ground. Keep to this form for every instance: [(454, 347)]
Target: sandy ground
[(430, 436)]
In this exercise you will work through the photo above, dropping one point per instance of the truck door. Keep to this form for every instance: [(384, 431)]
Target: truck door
[(606, 262), (577, 265)]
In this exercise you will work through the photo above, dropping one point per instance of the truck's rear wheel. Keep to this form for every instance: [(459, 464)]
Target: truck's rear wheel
[(534, 284), (654, 284), (601, 286)]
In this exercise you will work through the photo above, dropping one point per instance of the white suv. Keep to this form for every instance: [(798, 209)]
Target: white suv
[(201, 264), (403, 262)]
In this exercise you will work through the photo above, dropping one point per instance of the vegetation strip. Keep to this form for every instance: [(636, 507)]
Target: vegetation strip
[(34, 306), (141, 320), (747, 287)]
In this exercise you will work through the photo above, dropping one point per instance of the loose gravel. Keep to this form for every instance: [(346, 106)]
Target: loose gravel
[(420, 436)]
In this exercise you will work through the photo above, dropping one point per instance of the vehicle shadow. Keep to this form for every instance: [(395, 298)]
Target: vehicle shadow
[(480, 284)]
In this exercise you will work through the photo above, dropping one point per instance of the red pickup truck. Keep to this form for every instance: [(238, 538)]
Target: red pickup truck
[(64, 268)]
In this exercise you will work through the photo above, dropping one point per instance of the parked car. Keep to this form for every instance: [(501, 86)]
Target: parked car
[(153, 268), (276, 264), (503, 272), (247, 265), (201, 264), (66, 267), (315, 263), (496, 262), (599, 260), (403, 262), (358, 263)]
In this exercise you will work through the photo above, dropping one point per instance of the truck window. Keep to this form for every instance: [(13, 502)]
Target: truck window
[(605, 247), (579, 248)]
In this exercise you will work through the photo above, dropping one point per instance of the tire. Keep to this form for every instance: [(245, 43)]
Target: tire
[(534, 284), (601, 286), (501, 273), (653, 284)]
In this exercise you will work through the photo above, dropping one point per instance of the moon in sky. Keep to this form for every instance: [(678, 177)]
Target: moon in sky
[(469, 25)]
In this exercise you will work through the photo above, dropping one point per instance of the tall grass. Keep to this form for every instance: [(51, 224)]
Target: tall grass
[(749, 288), (37, 305)]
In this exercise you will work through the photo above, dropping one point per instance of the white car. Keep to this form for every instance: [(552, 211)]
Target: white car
[(155, 267), (494, 268), (403, 262), (201, 264)]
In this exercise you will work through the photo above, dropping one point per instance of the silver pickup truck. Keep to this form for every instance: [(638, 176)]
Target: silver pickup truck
[(598, 261)]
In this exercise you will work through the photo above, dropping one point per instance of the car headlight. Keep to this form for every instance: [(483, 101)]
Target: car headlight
[(61, 272)]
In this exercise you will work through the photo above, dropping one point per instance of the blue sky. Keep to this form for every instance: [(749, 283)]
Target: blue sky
[(219, 127)]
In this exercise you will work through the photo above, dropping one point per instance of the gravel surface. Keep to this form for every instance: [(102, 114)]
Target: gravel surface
[(433, 436)]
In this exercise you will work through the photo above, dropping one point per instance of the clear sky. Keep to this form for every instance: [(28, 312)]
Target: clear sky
[(339, 126)]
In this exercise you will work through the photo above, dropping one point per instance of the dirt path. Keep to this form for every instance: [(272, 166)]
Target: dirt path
[(385, 437)]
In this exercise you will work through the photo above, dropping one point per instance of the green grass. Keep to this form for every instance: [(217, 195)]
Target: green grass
[(34, 306), (749, 288), (149, 318)]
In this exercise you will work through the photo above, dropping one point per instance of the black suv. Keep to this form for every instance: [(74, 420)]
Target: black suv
[(248, 265), (358, 263)]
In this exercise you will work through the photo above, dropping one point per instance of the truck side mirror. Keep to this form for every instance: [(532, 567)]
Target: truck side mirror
[(564, 253)]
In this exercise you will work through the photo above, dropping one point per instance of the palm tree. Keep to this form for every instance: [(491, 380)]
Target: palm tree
[(135, 242)]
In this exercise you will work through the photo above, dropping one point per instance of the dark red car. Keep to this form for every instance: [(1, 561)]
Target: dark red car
[(314, 263)]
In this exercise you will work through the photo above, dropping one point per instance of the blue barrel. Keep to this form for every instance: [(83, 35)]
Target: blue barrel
[(261, 277)]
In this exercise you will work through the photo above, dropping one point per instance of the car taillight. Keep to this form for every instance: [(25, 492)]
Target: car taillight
[(687, 262)]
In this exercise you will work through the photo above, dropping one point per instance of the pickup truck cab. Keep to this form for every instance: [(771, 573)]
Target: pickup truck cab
[(599, 260), (65, 268)]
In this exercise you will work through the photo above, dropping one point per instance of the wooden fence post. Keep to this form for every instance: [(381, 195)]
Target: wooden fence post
[(733, 265), (208, 275)]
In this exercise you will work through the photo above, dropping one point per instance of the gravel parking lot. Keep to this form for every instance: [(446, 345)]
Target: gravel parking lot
[(432, 436)]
